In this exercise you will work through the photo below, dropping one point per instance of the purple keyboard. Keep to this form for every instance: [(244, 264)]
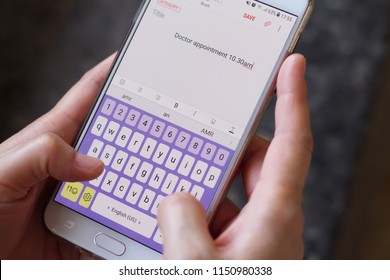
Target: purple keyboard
[(146, 158)]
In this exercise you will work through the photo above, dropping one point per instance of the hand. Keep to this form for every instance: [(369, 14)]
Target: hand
[(270, 226), (27, 162), (42, 150)]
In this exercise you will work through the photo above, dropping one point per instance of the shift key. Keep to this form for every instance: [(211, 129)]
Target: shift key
[(124, 215)]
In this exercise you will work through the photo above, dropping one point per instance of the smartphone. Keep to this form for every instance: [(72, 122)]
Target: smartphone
[(181, 103)]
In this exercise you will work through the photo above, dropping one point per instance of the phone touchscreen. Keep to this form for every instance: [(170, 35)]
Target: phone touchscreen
[(174, 110)]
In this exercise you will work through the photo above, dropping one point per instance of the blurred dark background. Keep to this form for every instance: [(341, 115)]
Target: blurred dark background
[(47, 45)]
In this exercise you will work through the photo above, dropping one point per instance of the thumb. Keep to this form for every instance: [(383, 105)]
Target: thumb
[(27, 164), (184, 228)]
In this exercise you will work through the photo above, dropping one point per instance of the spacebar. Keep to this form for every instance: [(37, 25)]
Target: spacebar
[(124, 215)]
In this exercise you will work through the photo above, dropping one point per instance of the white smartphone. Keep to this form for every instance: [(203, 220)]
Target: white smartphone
[(180, 105)]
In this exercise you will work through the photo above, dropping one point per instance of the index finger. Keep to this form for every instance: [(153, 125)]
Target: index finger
[(288, 157), (273, 214)]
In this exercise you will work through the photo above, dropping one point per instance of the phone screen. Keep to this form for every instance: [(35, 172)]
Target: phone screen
[(176, 109)]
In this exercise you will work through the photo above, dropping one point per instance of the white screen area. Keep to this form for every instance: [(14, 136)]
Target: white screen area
[(215, 57)]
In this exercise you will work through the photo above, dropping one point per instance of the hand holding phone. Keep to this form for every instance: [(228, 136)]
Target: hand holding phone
[(271, 224), (156, 136), (24, 236), (176, 113), (29, 160)]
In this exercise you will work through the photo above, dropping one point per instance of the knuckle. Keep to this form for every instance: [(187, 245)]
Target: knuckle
[(47, 141), (90, 78), (307, 141)]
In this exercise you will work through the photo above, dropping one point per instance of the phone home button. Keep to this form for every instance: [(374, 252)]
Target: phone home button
[(110, 244)]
